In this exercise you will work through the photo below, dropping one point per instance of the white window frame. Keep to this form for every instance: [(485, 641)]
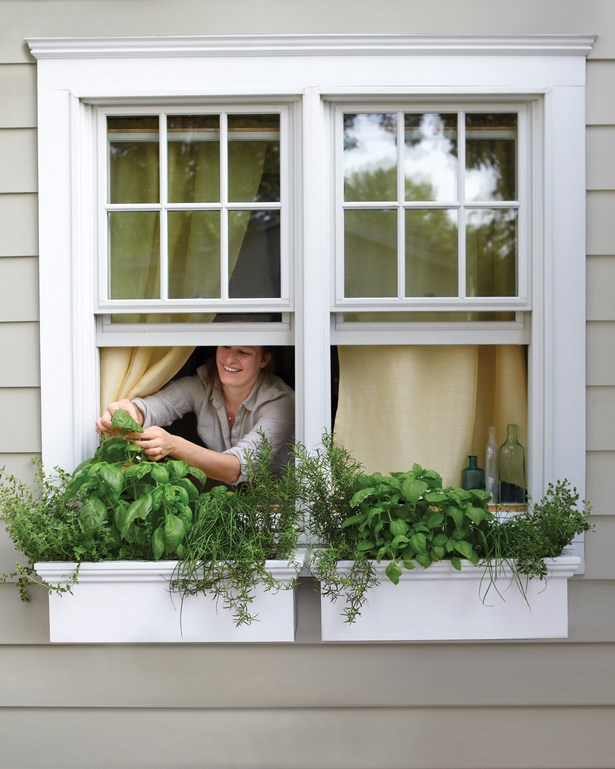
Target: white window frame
[(312, 72)]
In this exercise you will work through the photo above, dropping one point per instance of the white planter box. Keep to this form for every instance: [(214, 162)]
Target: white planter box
[(442, 604), (130, 601)]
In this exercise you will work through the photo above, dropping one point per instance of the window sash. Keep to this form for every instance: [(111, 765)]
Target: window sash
[(284, 302), (461, 302)]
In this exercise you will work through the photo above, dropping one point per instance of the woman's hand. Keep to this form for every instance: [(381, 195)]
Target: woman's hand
[(103, 423), (155, 442)]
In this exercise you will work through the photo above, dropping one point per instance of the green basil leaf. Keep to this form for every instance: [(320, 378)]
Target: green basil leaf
[(92, 516), (121, 420)]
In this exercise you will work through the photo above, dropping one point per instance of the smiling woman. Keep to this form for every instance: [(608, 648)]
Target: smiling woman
[(235, 400)]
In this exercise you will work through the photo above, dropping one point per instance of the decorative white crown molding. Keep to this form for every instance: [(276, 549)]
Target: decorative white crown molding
[(308, 45)]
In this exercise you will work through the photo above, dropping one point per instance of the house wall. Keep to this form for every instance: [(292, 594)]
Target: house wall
[(491, 706)]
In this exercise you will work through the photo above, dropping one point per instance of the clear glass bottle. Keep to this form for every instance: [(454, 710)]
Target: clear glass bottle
[(511, 462), (472, 476), (492, 484)]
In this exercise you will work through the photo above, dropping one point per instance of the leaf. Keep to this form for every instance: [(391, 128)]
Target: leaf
[(361, 495), (177, 468), (413, 489), (92, 516), (113, 479), (456, 563), (466, 550), (121, 420), (364, 545), (125, 516), (353, 520), (174, 531), (456, 514), (419, 542), (398, 528), (158, 543), (393, 572), (435, 519), (159, 473), (477, 515)]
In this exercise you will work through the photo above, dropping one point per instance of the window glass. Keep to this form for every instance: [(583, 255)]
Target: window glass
[(430, 156), (134, 254), (370, 156), (194, 254), (431, 252), (370, 248), (491, 247), (491, 157), (134, 169), (194, 158)]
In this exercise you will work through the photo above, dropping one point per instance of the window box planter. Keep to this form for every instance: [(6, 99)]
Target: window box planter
[(131, 602), (442, 604)]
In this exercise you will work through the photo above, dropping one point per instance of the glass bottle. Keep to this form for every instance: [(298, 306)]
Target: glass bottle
[(472, 476), (491, 466), (511, 461)]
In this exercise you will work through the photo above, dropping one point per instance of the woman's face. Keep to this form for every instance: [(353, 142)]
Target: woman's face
[(240, 366)]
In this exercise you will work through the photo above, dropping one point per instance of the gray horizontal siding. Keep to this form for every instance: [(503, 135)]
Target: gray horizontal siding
[(599, 481), (19, 343), (600, 81), (18, 95), (325, 737), (18, 225), (18, 154), (600, 223), (21, 428), (601, 157), (220, 676), (19, 289)]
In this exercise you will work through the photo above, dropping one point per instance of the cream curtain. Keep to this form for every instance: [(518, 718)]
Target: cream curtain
[(137, 372), (428, 404)]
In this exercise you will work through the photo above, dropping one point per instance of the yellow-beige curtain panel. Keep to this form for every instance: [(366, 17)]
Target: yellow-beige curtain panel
[(431, 405), (136, 372)]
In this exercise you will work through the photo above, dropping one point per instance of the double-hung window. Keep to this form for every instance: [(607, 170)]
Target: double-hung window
[(402, 218)]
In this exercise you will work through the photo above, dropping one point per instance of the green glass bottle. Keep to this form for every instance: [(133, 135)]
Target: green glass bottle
[(511, 461), (472, 476)]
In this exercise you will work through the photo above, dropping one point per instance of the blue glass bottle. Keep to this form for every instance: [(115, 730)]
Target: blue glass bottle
[(472, 476)]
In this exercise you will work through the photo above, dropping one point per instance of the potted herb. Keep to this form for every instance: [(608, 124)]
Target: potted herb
[(115, 534), (409, 559)]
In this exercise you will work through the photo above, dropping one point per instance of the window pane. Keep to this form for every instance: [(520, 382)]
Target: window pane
[(194, 254), (194, 158), (370, 253), (254, 254), (491, 157), (430, 163), (134, 255), (195, 317), (491, 252), (254, 158), (431, 253), (370, 157), (133, 159)]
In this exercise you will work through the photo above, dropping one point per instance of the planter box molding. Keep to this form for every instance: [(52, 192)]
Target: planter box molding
[(131, 601), (442, 604)]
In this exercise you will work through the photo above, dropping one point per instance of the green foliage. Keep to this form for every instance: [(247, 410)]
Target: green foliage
[(236, 532), (115, 506), (146, 508), (44, 524), (408, 518), (526, 538)]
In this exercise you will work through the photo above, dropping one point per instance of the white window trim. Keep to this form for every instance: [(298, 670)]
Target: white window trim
[(73, 72)]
